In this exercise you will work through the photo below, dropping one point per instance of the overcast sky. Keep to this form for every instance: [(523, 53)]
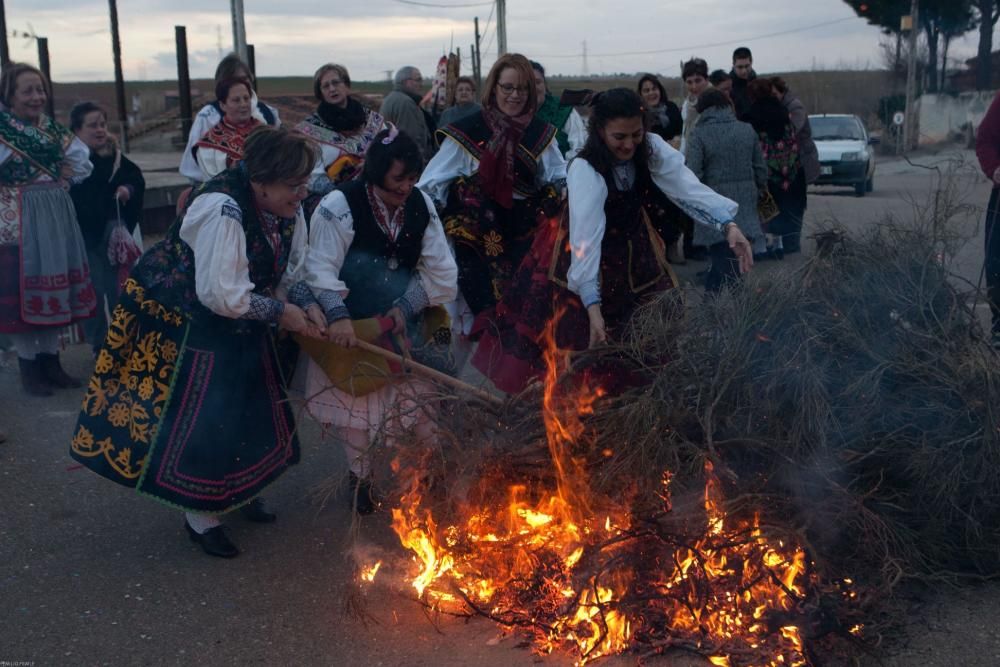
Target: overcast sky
[(293, 37)]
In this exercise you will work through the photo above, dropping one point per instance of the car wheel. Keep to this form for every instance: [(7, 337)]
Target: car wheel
[(860, 189), (870, 185)]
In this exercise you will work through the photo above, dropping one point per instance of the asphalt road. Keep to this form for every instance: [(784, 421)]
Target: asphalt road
[(93, 574)]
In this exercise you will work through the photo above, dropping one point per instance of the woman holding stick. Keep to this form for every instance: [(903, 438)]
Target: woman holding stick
[(378, 260), (187, 402), (615, 259)]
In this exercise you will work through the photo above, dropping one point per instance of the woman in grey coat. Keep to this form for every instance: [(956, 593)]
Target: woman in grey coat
[(725, 155)]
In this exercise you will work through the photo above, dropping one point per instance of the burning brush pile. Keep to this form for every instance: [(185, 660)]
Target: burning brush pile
[(744, 478)]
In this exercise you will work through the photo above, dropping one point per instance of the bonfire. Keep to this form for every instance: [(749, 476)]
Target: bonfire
[(779, 460)]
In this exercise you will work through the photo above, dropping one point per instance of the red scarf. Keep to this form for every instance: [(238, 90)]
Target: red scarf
[(496, 164), (229, 138)]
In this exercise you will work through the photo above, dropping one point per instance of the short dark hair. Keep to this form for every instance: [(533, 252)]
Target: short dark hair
[(779, 84), (233, 67), (278, 154), (713, 98), (223, 87), (466, 79), (759, 89), (655, 80), (694, 67), (742, 52), (537, 66), (719, 76), (8, 81), (381, 155), (78, 114)]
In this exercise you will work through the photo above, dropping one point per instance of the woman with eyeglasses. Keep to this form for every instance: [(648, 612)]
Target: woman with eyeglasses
[(497, 176), (187, 402), (606, 256), (344, 129)]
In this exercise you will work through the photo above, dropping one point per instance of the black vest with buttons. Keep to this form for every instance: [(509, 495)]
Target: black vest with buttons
[(373, 285)]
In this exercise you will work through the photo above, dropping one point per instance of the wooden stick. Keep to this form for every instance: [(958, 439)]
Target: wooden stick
[(431, 373)]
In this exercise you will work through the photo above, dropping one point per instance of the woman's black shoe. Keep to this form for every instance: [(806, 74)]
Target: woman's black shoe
[(214, 541), (256, 512), (361, 492), (779, 253)]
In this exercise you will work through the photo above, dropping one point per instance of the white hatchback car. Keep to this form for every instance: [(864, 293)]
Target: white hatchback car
[(845, 155)]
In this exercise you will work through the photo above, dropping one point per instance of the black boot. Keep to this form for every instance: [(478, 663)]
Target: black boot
[(53, 372), (362, 492), (32, 378)]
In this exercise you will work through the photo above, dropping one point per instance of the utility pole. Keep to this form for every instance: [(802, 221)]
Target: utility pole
[(4, 51), (501, 27), (183, 81), (43, 64), (116, 51), (909, 133), (476, 58), (585, 68), (239, 29)]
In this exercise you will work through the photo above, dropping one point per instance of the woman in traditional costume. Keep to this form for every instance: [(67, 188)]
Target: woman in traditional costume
[(571, 132), (221, 147), (496, 176), (230, 67), (376, 250), (187, 402), (110, 196), (44, 277), (343, 128), (786, 179), (614, 260)]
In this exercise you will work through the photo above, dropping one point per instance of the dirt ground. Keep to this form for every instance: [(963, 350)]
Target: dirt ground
[(92, 574)]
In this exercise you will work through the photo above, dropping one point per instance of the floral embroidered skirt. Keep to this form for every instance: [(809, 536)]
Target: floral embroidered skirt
[(191, 411), (44, 276)]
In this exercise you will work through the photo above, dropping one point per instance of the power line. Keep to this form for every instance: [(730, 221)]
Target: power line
[(493, 6), (434, 4), (701, 46)]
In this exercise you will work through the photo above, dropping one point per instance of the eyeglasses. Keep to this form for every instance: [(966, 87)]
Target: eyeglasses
[(509, 89), (418, 79)]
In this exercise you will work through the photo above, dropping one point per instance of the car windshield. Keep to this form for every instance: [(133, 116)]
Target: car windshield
[(825, 128)]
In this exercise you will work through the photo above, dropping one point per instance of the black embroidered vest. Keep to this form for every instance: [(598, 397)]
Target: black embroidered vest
[(168, 269), (472, 134), (373, 285)]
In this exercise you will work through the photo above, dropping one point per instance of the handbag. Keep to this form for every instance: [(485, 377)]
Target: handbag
[(123, 251), (767, 208)]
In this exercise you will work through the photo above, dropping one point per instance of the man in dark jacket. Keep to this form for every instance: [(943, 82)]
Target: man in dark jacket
[(742, 74), (402, 108), (988, 152)]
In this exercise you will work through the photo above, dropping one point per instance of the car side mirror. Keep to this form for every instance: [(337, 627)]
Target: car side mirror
[(874, 141)]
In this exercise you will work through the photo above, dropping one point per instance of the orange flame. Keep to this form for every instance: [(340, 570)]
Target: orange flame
[(554, 559)]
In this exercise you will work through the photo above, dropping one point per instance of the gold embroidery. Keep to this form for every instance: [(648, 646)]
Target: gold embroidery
[(493, 243)]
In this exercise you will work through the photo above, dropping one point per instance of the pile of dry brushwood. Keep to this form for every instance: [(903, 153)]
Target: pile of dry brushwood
[(854, 402)]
